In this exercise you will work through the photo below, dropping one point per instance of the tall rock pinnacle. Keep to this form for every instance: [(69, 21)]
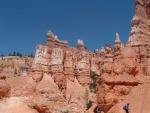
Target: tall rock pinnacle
[(117, 40), (140, 29), (140, 24)]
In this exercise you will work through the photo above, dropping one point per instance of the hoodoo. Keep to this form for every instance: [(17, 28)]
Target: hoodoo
[(62, 79)]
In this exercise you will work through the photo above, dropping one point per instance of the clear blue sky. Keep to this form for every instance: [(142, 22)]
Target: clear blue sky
[(24, 23)]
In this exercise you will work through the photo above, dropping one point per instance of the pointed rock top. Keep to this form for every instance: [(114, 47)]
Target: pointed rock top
[(117, 40), (50, 33), (80, 42), (102, 49)]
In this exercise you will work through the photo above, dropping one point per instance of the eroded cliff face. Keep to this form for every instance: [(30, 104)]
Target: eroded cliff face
[(69, 68), (127, 81), (139, 37), (64, 63), (14, 66), (60, 78), (114, 85)]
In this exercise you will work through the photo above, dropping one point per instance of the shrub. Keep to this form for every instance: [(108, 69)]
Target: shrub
[(31, 55), (89, 104), (93, 85)]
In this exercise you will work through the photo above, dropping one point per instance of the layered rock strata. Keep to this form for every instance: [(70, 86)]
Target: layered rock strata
[(62, 62), (60, 77), (139, 37), (128, 70)]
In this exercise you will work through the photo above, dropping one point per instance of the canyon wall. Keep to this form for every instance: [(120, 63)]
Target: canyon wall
[(128, 80), (64, 63), (62, 79), (69, 67), (121, 70)]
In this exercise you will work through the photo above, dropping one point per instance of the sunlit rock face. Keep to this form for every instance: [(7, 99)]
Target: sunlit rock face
[(140, 34), (141, 20), (117, 79), (61, 77), (69, 68), (62, 62), (49, 59), (125, 78), (139, 38)]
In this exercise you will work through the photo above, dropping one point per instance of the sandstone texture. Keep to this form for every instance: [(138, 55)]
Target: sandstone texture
[(61, 79), (14, 66), (127, 79)]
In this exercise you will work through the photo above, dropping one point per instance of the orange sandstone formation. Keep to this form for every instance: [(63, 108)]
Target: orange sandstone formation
[(60, 78), (61, 62), (127, 80)]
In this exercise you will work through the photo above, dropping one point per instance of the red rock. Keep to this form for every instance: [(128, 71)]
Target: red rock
[(4, 89), (21, 86), (60, 76)]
